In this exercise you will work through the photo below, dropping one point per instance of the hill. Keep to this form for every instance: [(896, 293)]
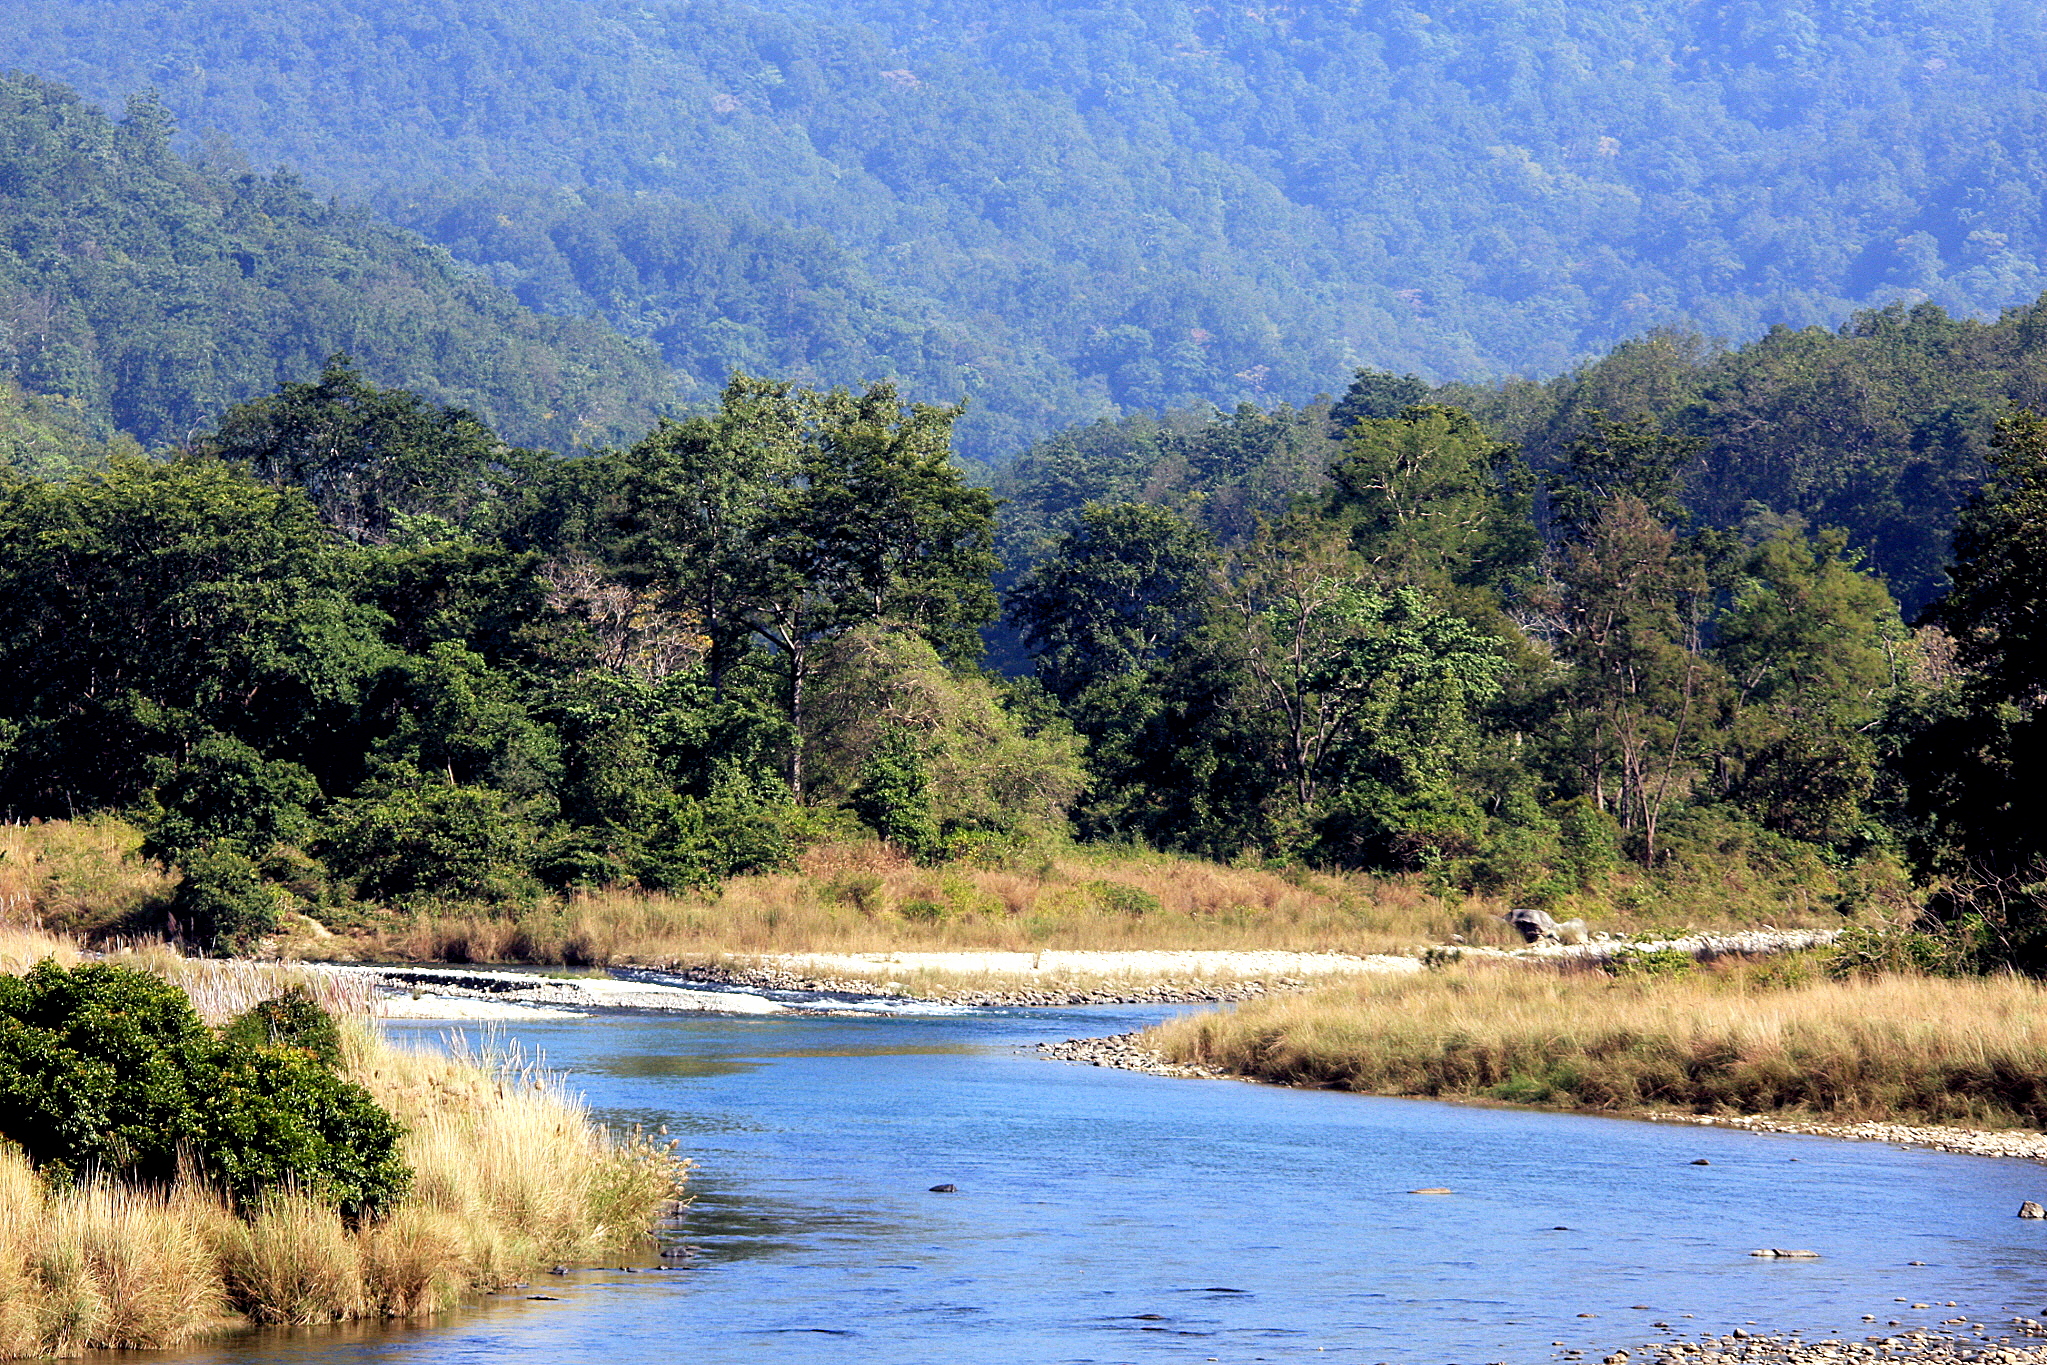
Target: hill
[(143, 293), (1061, 208)]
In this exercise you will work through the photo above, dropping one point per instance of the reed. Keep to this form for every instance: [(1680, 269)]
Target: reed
[(1768, 1040), (511, 1173)]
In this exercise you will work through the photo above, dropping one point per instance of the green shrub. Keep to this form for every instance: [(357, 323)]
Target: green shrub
[(1862, 951), (894, 795), (106, 1069), (1652, 963), (292, 1020), (225, 794), (223, 903), (433, 839), (1120, 899)]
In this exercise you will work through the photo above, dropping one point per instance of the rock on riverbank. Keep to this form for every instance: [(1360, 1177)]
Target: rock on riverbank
[(1123, 1052), (1061, 986), (1934, 1348), (1967, 1141)]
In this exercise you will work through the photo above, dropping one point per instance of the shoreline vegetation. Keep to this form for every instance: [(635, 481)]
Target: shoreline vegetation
[(1777, 1043), (509, 1175)]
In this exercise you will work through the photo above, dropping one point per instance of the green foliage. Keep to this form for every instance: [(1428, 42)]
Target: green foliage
[(225, 795), (1058, 210), (106, 1069), (1653, 964), (893, 797), (369, 458), (420, 838), (1863, 951), (1119, 898), (147, 294), (292, 1020), (222, 902)]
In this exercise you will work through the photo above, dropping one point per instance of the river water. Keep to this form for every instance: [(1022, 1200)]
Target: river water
[(1103, 1216)]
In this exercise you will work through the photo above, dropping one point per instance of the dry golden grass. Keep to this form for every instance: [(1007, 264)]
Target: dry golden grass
[(860, 898), (510, 1174), (76, 876), (1746, 1040)]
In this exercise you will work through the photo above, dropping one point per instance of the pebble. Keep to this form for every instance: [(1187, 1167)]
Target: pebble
[(2029, 1146)]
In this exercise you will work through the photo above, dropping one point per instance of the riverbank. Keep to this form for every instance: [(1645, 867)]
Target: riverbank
[(1760, 1044), (510, 1176), (2010, 1346), (1129, 1052)]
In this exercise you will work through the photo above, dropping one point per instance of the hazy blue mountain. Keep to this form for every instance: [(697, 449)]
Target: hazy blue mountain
[(1061, 208)]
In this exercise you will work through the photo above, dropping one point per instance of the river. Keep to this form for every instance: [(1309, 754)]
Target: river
[(1103, 1216)]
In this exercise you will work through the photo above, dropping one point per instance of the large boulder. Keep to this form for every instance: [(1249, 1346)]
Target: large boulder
[(1535, 926)]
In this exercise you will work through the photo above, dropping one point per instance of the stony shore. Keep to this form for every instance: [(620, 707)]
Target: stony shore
[(2028, 1146), (1165, 991), (1972, 1342)]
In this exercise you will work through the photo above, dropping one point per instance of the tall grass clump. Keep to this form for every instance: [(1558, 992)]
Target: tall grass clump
[(1765, 1040), (83, 877)]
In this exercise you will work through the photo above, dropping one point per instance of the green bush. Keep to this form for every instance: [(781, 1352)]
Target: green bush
[(109, 1070), (1120, 899), (292, 1020), (438, 840), (1652, 963), (225, 794), (223, 903), (894, 795)]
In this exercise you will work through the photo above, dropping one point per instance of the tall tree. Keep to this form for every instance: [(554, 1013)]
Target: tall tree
[(1433, 500), (793, 516)]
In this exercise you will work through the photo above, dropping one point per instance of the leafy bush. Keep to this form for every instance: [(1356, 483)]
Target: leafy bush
[(223, 902), (106, 1069), (894, 795), (292, 1020), (1862, 951), (432, 839), (1118, 898), (227, 794), (1652, 963)]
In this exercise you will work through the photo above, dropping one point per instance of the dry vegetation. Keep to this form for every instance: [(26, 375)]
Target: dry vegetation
[(510, 1174), (87, 878), (76, 876), (1774, 1039), (854, 898)]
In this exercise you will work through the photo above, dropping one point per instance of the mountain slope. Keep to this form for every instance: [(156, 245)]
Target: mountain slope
[(149, 294), (1060, 207)]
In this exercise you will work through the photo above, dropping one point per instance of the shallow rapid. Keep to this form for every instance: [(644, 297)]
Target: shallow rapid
[(1106, 1216)]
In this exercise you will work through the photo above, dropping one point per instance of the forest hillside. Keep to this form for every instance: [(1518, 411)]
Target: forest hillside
[(144, 294), (1065, 208)]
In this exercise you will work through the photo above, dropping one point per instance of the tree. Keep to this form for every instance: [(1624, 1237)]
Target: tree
[(364, 455), (1615, 460), (1640, 700), (1367, 697), (1116, 595), (794, 516), (1970, 765), (1432, 500), (1810, 646), (149, 604), (1375, 396)]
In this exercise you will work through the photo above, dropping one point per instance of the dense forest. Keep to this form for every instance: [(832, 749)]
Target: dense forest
[(1068, 209), (350, 651), (142, 294)]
